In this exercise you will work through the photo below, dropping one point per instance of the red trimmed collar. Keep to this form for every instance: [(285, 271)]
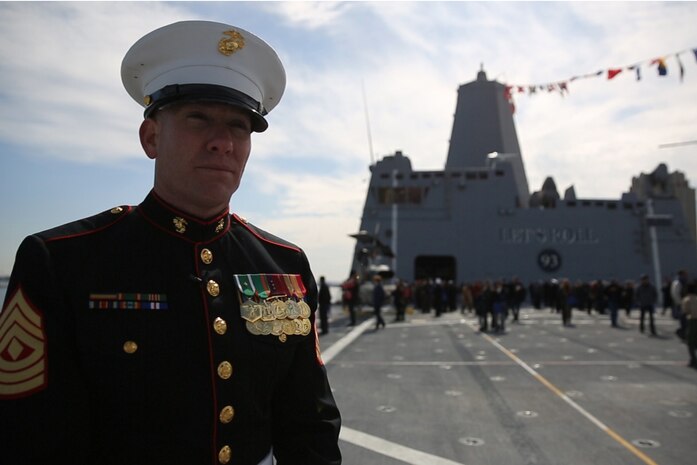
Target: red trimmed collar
[(179, 224)]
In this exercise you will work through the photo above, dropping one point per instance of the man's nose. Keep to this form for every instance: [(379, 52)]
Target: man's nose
[(221, 140)]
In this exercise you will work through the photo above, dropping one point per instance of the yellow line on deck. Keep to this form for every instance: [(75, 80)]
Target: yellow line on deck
[(626, 444)]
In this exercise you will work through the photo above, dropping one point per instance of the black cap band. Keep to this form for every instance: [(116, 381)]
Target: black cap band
[(208, 93)]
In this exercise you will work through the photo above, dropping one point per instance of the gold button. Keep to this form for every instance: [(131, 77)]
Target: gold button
[(282, 337), (130, 347), (220, 326), (226, 414), (224, 454), (213, 288), (206, 256), (224, 370), (116, 210)]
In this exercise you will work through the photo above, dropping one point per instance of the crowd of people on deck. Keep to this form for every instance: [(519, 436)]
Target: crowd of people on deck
[(494, 301)]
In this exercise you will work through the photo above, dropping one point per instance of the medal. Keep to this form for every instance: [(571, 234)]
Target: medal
[(252, 328), (267, 311), (288, 327), (307, 327), (279, 309), (274, 304), (292, 309), (263, 327), (250, 311), (277, 327), (304, 309)]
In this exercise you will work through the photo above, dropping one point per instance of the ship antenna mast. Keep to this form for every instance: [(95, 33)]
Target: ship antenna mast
[(367, 124)]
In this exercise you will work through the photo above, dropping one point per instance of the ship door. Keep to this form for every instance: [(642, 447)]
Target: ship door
[(435, 266)]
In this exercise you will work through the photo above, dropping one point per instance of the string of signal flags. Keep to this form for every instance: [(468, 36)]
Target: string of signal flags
[(562, 87)]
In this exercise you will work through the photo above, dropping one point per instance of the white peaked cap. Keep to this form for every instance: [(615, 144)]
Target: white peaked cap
[(204, 61)]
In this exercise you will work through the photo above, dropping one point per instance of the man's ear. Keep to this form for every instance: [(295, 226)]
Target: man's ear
[(149, 130)]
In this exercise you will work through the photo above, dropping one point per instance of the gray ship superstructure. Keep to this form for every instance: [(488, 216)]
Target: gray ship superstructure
[(477, 219)]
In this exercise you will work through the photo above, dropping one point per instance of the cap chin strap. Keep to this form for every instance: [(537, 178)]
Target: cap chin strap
[(207, 93)]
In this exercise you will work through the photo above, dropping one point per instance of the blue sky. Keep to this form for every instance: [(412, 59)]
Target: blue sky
[(68, 132)]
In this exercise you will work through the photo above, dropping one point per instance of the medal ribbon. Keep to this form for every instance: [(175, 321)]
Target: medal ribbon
[(260, 284), (299, 285), (244, 284), (276, 285), (292, 285)]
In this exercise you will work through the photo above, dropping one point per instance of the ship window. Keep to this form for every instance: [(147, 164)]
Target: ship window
[(455, 175), (384, 176), (414, 176), (400, 195), (640, 204), (483, 175), (470, 175), (571, 203), (611, 205), (399, 176), (586, 203), (426, 175), (599, 203), (499, 173), (440, 174), (627, 206), (415, 195)]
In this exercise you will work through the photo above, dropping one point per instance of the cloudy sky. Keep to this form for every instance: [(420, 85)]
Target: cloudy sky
[(68, 132)]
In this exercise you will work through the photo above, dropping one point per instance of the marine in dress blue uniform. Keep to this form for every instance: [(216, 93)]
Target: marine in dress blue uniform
[(147, 335)]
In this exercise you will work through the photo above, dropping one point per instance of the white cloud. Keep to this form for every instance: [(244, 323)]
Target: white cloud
[(310, 15), (60, 77)]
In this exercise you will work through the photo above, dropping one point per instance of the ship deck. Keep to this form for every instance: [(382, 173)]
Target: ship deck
[(435, 391)]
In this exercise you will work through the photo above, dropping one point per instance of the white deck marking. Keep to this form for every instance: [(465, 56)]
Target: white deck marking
[(391, 449), (374, 443), (341, 344)]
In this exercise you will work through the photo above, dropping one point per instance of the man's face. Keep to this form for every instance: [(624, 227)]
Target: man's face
[(200, 151)]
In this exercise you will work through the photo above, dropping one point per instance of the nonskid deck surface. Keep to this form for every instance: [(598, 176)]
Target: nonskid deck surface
[(436, 391)]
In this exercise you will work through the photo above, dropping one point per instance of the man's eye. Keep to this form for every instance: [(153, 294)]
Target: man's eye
[(197, 117), (240, 126)]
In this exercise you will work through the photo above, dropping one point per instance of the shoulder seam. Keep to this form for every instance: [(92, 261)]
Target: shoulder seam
[(127, 209), (249, 228)]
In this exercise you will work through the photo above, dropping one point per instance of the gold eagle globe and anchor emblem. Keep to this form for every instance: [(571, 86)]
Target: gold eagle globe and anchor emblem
[(179, 224), (229, 45)]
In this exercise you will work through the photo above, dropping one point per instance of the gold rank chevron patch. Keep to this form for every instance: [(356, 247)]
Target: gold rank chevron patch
[(22, 348)]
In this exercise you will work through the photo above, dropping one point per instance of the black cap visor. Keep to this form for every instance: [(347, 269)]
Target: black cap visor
[(208, 93)]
